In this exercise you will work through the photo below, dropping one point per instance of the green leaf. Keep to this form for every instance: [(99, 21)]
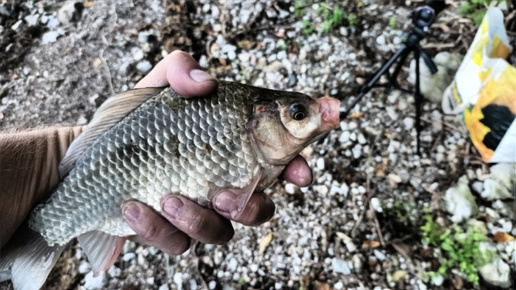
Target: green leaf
[(392, 22), (326, 26), (446, 246), (337, 17), (353, 20)]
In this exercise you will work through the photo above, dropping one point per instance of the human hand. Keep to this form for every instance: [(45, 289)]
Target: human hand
[(183, 219)]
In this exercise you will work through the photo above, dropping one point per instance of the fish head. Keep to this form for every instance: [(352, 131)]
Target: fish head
[(284, 123)]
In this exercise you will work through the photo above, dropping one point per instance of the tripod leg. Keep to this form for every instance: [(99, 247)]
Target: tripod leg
[(393, 82), (401, 52), (418, 99)]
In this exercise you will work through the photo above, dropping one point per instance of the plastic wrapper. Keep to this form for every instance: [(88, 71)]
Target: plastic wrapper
[(483, 92)]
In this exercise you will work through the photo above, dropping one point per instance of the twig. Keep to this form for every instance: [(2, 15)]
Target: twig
[(368, 199), (450, 126), (439, 46), (378, 230), (106, 42), (399, 240)]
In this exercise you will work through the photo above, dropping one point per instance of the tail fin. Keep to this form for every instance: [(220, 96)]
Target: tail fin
[(29, 258)]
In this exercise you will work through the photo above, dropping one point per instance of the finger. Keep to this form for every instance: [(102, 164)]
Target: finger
[(154, 230), (200, 223), (298, 172), (182, 73), (259, 209)]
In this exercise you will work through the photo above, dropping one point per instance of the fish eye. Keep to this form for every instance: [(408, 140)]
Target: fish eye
[(297, 111)]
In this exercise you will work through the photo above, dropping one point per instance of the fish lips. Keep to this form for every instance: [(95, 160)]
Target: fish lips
[(329, 108)]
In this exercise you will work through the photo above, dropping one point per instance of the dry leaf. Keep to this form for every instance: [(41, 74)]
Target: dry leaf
[(245, 44), (501, 237), (388, 135), (372, 244), (457, 281), (88, 4), (360, 80), (305, 281), (264, 243), (321, 286), (403, 249), (343, 236), (379, 171), (356, 115)]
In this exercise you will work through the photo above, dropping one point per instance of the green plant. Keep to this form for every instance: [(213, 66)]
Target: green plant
[(307, 28), (353, 20), (332, 18), (392, 22), (476, 9), (300, 7), (460, 249), (400, 212)]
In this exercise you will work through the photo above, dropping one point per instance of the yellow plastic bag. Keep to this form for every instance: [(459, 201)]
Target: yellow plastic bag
[(484, 92)]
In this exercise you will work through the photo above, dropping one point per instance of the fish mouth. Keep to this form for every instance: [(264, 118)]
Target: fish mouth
[(329, 108)]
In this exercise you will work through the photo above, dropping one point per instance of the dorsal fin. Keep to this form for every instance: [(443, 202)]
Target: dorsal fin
[(107, 115)]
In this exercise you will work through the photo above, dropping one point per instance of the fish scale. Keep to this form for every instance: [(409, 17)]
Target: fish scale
[(166, 145)]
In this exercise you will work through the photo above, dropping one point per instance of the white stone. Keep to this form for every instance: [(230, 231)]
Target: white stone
[(357, 151), (494, 190), (320, 163), (232, 265), (361, 139), (340, 266), (49, 37), (137, 54), (376, 205), (128, 257), (391, 112), (84, 267), (460, 202), (496, 272), (409, 123), (344, 137), (290, 188), (178, 279), (94, 283), (379, 255), (144, 66)]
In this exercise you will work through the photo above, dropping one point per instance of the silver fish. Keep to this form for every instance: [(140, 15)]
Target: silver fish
[(146, 143)]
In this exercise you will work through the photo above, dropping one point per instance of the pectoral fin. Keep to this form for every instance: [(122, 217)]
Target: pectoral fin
[(101, 249)]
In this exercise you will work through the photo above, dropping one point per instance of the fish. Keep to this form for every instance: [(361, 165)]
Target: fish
[(146, 143)]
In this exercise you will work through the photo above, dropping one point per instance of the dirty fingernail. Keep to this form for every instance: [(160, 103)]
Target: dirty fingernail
[(200, 76), (132, 212), (172, 206), (226, 202)]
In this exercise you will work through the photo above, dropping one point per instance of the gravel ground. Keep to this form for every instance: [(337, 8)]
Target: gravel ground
[(358, 225)]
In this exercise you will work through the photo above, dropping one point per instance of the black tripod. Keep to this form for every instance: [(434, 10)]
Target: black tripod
[(422, 18)]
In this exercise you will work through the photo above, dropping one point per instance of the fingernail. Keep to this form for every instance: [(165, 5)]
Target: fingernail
[(226, 203), (172, 206), (132, 212), (200, 76)]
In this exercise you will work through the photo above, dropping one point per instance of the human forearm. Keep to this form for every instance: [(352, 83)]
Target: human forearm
[(28, 171)]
